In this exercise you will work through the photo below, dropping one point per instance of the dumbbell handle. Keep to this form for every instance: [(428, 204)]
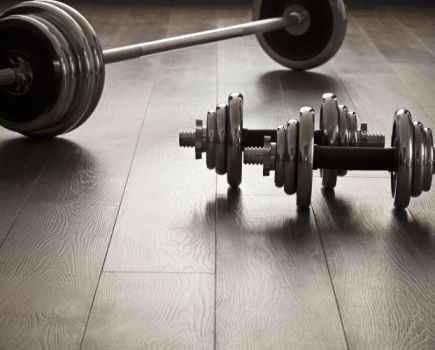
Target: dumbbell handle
[(182, 41), (354, 158), (8, 76)]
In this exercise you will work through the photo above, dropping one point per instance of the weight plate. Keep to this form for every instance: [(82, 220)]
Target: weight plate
[(419, 159), (352, 122), (221, 139), (328, 22), (344, 131), (291, 156), (51, 90), (280, 156), (429, 166), (329, 124), (95, 59), (403, 142), (211, 139), (234, 139), (305, 157)]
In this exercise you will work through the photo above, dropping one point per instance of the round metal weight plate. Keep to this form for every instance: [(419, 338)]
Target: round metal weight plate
[(234, 139), (403, 141), (419, 159), (49, 93), (291, 156), (328, 22), (329, 124), (221, 139), (305, 157)]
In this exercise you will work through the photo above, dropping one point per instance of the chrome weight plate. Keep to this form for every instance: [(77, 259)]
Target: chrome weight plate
[(52, 87), (315, 45), (211, 139), (429, 166), (95, 60), (419, 159), (329, 124), (234, 139), (305, 157), (291, 156), (280, 156), (403, 142), (344, 131), (221, 139)]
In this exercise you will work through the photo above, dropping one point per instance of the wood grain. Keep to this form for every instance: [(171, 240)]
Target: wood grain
[(382, 266), (164, 223), (152, 311), (52, 258), (273, 287)]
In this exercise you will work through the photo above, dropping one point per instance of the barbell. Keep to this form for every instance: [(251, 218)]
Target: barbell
[(293, 150), (52, 67)]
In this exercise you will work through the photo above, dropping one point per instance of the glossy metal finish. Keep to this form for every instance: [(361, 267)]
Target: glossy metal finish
[(329, 124), (429, 168), (221, 139), (79, 63), (200, 138), (211, 139), (344, 131), (269, 151), (419, 159), (280, 156), (353, 128), (321, 51), (305, 157), (291, 156), (234, 139), (183, 41), (403, 142)]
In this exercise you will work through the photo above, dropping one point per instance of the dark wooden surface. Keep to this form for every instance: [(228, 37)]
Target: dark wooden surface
[(113, 237)]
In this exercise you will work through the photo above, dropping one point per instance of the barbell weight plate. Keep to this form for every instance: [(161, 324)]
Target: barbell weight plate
[(320, 42), (211, 139), (234, 139), (344, 131), (52, 87), (221, 139), (329, 124), (419, 160), (403, 142), (280, 156), (291, 156), (95, 59), (305, 157), (429, 166)]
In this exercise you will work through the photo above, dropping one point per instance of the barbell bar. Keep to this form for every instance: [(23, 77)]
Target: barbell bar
[(52, 63)]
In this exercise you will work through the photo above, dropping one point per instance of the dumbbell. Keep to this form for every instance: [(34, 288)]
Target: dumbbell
[(223, 137), (410, 159), (53, 67)]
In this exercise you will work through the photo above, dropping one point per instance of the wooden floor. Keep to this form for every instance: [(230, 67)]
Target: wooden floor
[(114, 238)]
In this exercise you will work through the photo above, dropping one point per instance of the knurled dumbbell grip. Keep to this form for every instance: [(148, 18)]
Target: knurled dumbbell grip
[(354, 158)]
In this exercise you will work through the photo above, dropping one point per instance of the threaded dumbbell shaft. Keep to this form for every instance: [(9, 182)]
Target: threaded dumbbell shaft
[(375, 140), (253, 155), (8, 76), (187, 138)]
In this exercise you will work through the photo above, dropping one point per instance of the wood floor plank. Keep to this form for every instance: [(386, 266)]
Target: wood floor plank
[(382, 265), (152, 311), (166, 222), (53, 256), (273, 287)]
